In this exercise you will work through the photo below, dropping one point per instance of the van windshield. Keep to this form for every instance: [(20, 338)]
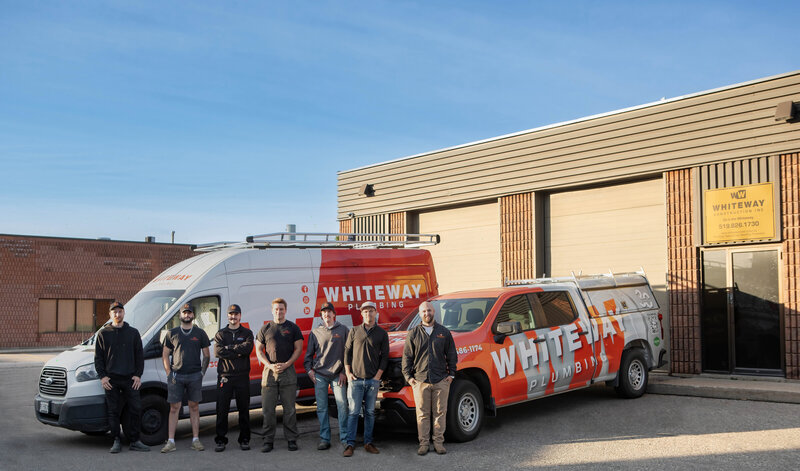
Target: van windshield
[(147, 307), (458, 315)]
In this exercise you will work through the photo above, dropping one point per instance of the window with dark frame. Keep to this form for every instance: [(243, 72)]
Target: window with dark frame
[(72, 315)]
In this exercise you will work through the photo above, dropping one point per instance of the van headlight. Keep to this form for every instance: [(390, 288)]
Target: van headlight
[(86, 373)]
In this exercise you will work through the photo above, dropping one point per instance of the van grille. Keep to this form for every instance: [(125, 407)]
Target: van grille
[(53, 381)]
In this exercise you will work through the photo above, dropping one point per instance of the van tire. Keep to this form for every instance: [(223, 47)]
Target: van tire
[(464, 411), (155, 420), (633, 374)]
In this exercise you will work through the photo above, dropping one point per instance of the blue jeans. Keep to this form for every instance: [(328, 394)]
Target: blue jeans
[(365, 390), (321, 393)]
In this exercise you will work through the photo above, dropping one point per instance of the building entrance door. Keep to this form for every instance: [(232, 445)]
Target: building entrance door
[(741, 311)]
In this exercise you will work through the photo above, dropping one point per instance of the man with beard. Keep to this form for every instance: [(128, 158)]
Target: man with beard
[(185, 373)]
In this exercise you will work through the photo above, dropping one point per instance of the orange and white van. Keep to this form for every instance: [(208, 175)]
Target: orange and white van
[(305, 269), (536, 338)]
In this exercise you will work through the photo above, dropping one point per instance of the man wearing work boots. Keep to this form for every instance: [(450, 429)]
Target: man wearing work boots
[(185, 374), (429, 366), (324, 362), (278, 345), (366, 355), (232, 347), (119, 363)]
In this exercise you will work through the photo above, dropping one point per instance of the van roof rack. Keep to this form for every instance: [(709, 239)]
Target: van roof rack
[(588, 281), (324, 240)]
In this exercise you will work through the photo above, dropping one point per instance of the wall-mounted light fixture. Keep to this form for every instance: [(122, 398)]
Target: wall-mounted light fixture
[(367, 190), (786, 111)]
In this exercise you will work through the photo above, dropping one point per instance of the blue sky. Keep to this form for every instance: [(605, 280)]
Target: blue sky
[(219, 119)]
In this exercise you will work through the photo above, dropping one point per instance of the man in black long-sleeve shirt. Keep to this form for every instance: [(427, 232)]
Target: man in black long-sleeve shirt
[(232, 346), (429, 365), (119, 363)]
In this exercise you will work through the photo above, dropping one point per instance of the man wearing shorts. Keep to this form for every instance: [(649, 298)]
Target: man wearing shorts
[(185, 373)]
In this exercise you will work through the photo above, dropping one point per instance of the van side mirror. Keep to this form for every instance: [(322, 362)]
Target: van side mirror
[(505, 329), (153, 349)]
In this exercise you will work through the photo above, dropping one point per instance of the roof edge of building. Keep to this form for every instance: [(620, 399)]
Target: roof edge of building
[(577, 120)]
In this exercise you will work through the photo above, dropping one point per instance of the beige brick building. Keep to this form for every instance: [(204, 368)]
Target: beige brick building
[(701, 191)]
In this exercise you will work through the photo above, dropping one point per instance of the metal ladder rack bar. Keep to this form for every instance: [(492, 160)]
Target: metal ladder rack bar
[(325, 239)]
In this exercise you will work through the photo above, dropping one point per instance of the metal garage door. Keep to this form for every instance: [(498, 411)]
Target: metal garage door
[(469, 253), (619, 228)]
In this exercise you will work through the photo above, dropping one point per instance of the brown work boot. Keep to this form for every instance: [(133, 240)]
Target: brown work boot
[(423, 450), (371, 448), (348, 451), (440, 449)]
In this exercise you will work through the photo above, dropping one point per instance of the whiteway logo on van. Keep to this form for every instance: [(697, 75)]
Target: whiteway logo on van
[(371, 292), (528, 353)]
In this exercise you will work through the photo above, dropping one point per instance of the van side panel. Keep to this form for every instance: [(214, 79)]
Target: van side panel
[(397, 281)]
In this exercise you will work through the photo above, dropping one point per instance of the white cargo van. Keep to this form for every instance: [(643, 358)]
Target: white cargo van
[(305, 269)]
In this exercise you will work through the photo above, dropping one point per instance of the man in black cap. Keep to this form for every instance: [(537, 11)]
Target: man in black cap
[(119, 363), (185, 374), (232, 347), (324, 362)]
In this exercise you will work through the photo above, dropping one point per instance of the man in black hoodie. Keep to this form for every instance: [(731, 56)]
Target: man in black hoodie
[(119, 363), (232, 346)]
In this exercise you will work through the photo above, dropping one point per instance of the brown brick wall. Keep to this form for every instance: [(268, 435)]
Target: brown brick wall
[(683, 275), (790, 204), (33, 268), (516, 237), (397, 224)]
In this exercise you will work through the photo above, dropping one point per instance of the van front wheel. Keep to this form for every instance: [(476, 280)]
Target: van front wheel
[(155, 419), (464, 411), (633, 374)]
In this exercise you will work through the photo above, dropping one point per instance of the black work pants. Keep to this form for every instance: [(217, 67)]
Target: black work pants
[(238, 387), (122, 393)]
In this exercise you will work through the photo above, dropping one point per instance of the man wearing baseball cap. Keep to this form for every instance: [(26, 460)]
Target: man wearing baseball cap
[(366, 355), (119, 363), (324, 362), (185, 374), (232, 346)]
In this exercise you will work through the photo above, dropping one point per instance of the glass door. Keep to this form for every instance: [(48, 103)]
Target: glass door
[(740, 321)]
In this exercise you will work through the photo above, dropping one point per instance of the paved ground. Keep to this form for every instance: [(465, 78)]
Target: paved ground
[(580, 430)]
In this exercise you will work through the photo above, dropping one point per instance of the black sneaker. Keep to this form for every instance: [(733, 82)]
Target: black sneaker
[(220, 447), (139, 446), (266, 448), (292, 445), (245, 445), (323, 445), (116, 447)]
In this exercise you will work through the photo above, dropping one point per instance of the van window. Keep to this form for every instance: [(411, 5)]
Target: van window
[(206, 316), (552, 308), (516, 309), (458, 315), (144, 309)]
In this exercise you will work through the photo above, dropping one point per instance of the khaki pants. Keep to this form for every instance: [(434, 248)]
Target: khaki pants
[(431, 400)]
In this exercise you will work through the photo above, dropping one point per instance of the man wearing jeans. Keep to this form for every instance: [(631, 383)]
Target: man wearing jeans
[(185, 374), (324, 362), (429, 366), (366, 355), (278, 345)]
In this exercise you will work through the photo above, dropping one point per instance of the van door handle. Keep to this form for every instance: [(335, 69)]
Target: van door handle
[(539, 340), (583, 332)]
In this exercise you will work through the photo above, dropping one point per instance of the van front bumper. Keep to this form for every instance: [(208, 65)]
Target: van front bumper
[(84, 414)]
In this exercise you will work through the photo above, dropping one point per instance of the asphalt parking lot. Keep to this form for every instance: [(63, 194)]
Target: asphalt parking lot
[(580, 430)]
